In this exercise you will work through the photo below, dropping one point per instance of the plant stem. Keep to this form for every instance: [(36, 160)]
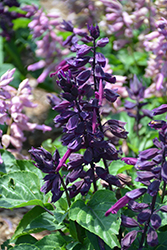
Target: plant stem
[(65, 189), (147, 223), (94, 180)]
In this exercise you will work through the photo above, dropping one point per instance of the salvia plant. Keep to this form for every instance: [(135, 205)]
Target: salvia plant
[(91, 192)]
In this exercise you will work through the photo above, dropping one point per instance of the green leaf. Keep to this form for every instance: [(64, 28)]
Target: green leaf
[(95, 241), (52, 241), (26, 239), (19, 189), (8, 161), (25, 246), (91, 216), (44, 221), (115, 167), (27, 218)]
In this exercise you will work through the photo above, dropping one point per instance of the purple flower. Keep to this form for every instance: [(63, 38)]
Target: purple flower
[(134, 194), (155, 221), (127, 241), (48, 164), (128, 222), (94, 31), (160, 110), (152, 237)]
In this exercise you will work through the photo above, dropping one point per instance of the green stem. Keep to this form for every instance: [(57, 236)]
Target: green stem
[(66, 192), (147, 223)]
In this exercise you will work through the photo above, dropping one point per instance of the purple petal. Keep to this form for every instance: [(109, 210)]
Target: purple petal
[(127, 241), (102, 42)]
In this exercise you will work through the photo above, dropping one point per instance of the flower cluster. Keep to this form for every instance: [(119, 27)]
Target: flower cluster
[(157, 63), (49, 45), (135, 109), (12, 103), (83, 92), (151, 166), (124, 17), (7, 17)]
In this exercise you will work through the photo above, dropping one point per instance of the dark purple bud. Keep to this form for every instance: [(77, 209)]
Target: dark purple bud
[(155, 221), (157, 143), (56, 157), (100, 59), (152, 237), (129, 160), (87, 39), (102, 42), (148, 154), (83, 50), (157, 124), (144, 165), (158, 159), (164, 172), (128, 222), (147, 113), (136, 207), (99, 73), (75, 174), (135, 85), (63, 105), (68, 96), (72, 122), (111, 179), (117, 128), (76, 144), (144, 216), (109, 78), (64, 116), (53, 184), (163, 208), (110, 95), (88, 155), (43, 160), (145, 175), (153, 188), (127, 241), (94, 31), (136, 193), (160, 110), (83, 76), (75, 160), (67, 26), (78, 62), (75, 188), (68, 40), (129, 105)]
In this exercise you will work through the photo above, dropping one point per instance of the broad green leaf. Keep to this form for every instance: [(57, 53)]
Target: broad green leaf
[(44, 221), (26, 239), (115, 167), (27, 218), (8, 161), (95, 241), (52, 241), (19, 189), (25, 246), (86, 245), (92, 216)]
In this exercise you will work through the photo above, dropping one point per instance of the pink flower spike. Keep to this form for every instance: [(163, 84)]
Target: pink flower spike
[(118, 205), (94, 121), (100, 92), (159, 81), (63, 159)]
